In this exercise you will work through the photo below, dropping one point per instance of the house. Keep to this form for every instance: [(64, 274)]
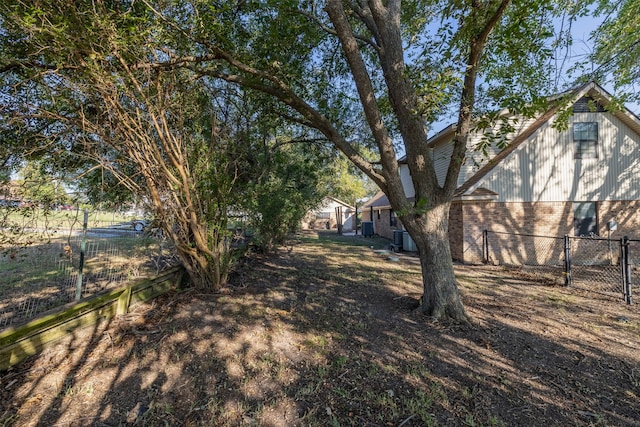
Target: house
[(546, 180), (329, 214)]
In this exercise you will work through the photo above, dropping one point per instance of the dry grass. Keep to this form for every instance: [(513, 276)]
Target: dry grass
[(326, 334), (43, 276)]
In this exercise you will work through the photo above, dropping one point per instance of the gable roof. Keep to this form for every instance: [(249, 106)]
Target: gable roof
[(589, 89), (380, 200), (329, 200), (340, 202), (515, 143), (472, 185)]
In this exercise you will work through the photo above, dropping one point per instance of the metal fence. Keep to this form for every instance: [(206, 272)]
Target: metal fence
[(46, 275), (605, 266)]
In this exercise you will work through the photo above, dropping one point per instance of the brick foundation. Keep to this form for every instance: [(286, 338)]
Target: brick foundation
[(625, 212), (550, 219)]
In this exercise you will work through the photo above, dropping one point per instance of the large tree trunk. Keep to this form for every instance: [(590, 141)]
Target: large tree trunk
[(429, 231)]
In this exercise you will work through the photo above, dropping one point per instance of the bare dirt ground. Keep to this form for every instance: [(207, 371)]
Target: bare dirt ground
[(326, 333)]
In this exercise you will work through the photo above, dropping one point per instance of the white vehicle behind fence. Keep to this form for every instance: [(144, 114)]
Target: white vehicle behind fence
[(140, 225)]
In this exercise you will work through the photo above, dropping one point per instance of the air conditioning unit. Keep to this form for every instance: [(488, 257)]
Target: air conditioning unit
[(367, 228), (398, 238), (408, 244)]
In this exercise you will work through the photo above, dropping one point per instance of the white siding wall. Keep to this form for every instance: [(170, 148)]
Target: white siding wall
[(405, 177), (441, 160), (474, 159), (544, 168)]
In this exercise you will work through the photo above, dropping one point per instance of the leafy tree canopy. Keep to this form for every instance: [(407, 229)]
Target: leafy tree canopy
[(617, 47)]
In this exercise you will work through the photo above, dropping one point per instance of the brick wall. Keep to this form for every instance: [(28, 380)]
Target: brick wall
[(625, 212), (467, 221), (456, 231), (543, 219), (381, 226), (553, 219)]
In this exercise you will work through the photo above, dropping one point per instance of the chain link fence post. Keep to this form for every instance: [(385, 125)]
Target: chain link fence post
[(485, 246), (626, 269), (567, 260), (622, 264)]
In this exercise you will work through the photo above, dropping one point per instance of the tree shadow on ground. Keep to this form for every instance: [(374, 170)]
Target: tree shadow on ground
[(328, 335)]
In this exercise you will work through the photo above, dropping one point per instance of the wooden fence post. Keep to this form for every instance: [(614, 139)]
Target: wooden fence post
[(123, 301)]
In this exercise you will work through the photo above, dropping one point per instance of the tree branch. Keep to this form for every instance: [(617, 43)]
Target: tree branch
[(280, 91), (364, 13), (403, 98), (298, 141), (364, 86), (467, 100), (331, 31), (313, 117), (33, 65)]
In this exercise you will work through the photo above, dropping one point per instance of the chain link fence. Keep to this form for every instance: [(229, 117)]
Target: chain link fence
[(604, 266), (41, 276), (595, 265), (542, 255)]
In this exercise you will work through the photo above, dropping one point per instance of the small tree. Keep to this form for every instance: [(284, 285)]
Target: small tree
[(153, 130), (347, 183), (283, 194), (87, 93)]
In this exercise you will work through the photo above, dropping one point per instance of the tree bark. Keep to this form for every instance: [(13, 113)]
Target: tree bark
[(441, 297), (428, 227)]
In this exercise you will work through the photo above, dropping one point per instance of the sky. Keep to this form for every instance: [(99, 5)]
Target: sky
[(583, 47), (580, 50)]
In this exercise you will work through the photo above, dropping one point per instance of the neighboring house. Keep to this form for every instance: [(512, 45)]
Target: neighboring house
[(546, 181), (378, 210), (325, 216)]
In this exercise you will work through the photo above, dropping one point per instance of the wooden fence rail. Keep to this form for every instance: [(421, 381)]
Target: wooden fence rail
[(16, 344)]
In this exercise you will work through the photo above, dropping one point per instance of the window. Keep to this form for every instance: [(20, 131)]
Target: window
[(585, 139), (378, 213), (393, 221), (585, 221), (323, 215)]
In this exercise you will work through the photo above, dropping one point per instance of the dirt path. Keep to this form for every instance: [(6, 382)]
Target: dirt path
[(326, 334)]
